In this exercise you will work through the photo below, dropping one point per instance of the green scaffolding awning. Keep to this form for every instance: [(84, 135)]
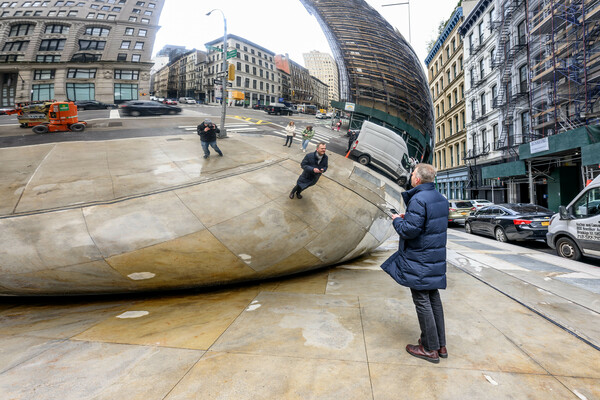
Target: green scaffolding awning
[(514, 168)]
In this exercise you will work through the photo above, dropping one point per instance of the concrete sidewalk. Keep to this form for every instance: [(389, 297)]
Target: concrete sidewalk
[(338, 333)]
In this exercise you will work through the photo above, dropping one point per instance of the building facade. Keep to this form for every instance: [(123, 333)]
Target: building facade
[(481, 93), (380, 76), (76, 50), (323, 67), (321, 93), (256, 79), (446, 83)]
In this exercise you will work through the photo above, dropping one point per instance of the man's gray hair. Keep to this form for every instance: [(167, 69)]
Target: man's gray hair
[(425, 172)]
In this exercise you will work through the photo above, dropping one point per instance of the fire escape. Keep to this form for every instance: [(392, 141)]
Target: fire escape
[(508, 96)]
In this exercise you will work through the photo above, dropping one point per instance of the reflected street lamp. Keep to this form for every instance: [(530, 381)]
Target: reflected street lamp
[(400, 4), (223, 71)]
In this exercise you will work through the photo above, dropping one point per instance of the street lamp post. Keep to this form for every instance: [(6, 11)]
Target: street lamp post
[(400, 4), (223, 132)]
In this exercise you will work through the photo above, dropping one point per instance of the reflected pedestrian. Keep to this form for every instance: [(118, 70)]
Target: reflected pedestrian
[(307, 134), (420, 262), (290, 133), (313, 165), (208, 137)]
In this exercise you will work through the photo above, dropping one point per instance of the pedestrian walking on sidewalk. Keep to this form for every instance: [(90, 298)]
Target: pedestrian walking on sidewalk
[(339, 125), (307, 134), (208, 137), (420, 262), (313, 165), (290, 133)]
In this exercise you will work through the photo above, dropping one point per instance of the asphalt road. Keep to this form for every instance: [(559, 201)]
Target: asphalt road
[(102, 127), (539, 245)]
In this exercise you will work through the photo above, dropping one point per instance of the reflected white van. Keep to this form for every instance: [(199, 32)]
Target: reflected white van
[(384, 148), (575, 231)]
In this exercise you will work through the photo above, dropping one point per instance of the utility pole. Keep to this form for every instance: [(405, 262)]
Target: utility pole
[(223, 132)]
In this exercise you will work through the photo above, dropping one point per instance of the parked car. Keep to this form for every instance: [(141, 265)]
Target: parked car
[(257, 106), (278, 109), (187, 100), (92, 105), (322, 116), (479, 203), (458, 210), (136, 108), (171, 102), (510, 221), (573, 232)]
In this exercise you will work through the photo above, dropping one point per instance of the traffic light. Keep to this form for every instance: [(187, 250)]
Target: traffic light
[(231, 73)]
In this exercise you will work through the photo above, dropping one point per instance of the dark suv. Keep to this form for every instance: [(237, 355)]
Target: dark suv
[(279, 110)]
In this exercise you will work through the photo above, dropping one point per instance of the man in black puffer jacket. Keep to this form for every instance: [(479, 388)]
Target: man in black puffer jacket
[(420, 262), (208, 136), (313, 166)]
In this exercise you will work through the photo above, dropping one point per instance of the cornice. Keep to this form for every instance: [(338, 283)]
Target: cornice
[(449, 27)]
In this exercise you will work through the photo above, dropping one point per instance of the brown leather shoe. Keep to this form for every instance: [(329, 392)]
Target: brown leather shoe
[(442, 351), (419, 352)]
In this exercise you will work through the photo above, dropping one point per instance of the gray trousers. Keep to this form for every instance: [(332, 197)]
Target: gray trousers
[(431, 318)]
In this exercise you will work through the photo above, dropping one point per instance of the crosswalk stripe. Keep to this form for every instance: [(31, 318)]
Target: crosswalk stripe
[(242, 129), (317, 137)]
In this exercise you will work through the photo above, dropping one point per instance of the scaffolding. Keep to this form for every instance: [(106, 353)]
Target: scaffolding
[(565, 65)]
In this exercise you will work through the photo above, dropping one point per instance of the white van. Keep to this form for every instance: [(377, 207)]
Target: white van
[(384, 148), (575, 230)]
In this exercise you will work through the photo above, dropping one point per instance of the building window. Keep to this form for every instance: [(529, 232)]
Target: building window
[(81, 73), (524, 125), (91, 44), (47, 58), (138, 46), (481, 69), (495, 136), (151, 5), (41, 74), (98, 31), (482, 98), (125, 44), (57, 29), (136, 57), (483, 140), (523, 79), (129, 31), (494, 96), (238, 81), (80, 91), (147, 12), (20, 45), (521, 32), (85, 57), (20, 30), (122, 57), (126, 91), (473, 108), (100, 16), (43, 92), (52, 45), (132, 19), (142, 32), (127, 74), (145, 21)]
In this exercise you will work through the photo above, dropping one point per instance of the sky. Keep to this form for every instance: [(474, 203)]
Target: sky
[(285, 26)]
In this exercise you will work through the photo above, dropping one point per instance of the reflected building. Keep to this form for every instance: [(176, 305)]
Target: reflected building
[(378, 72)]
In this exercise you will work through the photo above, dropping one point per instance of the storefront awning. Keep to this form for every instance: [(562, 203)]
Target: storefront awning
[(514, 168)]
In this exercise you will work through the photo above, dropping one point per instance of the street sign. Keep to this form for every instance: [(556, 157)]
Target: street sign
[(218, 81), (224, 73), (231, 53), (213, 48)]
